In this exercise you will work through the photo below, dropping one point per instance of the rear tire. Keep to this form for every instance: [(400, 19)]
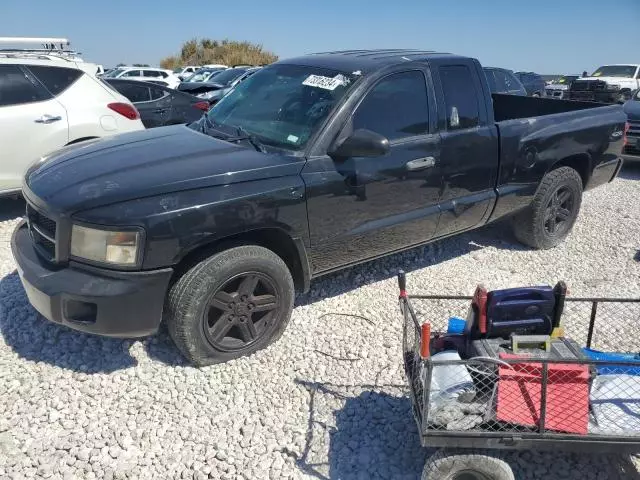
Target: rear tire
[(470, 464), (230, 305), (553, 211)]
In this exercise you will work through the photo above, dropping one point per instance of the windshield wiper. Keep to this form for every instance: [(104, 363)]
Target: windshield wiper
[(245, 135)]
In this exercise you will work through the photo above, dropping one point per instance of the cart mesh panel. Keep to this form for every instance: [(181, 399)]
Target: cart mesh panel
[(586, 393)]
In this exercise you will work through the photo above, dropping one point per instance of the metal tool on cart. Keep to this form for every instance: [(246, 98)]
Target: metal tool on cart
[(537, 389)]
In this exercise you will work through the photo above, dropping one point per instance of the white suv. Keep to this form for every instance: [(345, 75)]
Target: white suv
[(47, 102), (184, 72), (146, 74)]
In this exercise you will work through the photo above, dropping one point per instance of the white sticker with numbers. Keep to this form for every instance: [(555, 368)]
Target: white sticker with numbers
[(326, 83)]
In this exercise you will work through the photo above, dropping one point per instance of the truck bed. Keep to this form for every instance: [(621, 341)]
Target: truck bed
[(512, 107), (536, 133)]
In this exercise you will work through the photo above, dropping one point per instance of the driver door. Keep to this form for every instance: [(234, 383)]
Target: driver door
[(360, 208)]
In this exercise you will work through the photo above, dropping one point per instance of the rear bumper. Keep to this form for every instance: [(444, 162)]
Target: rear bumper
[(89, 299)]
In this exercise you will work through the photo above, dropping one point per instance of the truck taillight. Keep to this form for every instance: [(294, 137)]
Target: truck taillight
[(624, 136), (125, 110), (204, 106)]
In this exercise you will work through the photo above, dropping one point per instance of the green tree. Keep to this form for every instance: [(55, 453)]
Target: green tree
[(227, 52)]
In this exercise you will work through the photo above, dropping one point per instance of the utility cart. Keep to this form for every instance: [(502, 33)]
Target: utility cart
[(473, 399)]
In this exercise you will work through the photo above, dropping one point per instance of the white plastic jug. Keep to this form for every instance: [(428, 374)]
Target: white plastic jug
[(450, 382)]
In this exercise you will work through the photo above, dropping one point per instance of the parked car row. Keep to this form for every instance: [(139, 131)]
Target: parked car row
[(156, 75), (49, 101), (217, 84), (608, 84), (160, 105)]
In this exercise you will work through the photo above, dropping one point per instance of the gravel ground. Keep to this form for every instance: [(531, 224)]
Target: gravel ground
[(327, 401)]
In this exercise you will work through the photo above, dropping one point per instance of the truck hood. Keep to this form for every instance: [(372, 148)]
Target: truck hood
[(146, 163), (611, 80)]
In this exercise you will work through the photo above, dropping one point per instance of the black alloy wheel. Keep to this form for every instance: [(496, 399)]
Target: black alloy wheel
[(559, 211), (240, 312), (230, 305)]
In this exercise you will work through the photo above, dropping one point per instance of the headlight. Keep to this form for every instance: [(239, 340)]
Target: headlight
[(105, 246)]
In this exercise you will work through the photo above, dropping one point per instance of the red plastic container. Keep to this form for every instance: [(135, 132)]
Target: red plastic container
[(520, 393)]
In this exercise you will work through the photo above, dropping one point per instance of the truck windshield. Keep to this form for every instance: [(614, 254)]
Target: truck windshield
[(282, 105), (622, 71), (565, 79)]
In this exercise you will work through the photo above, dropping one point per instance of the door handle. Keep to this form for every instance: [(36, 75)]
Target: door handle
[(46, 118), (421, 163), (160, 110)]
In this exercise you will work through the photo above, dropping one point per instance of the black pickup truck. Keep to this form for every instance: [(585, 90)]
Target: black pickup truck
[(310, 166)]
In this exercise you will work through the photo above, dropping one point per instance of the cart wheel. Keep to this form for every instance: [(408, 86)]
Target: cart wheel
[(449, 464)]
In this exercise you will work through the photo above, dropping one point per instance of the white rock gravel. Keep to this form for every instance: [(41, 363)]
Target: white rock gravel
[(327, 401)]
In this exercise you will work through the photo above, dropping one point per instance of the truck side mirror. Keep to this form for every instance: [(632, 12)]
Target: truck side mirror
[(361, 143)]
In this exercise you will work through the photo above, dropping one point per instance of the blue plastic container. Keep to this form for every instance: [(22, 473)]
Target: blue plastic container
[(456, 325), (614, 357)]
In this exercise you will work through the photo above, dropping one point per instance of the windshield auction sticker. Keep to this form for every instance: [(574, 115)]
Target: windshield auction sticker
[(326, 83)]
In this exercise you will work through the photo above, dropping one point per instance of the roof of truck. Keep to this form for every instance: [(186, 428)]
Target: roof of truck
[(365, 60)]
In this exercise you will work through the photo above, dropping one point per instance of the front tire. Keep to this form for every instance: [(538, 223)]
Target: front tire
[(553, 211), (230, 305), (466, 465)]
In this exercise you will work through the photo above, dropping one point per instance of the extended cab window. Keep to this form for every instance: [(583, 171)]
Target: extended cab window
[(460, 97), (396, 107), (17, 89), (55, 79)]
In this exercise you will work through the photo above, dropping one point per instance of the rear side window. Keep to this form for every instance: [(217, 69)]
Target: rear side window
[(157, 93), (460, 97), (396, 107), (501, 84), (489, 74), (55, 79), (511, 82), (135, 93), (17, 89)]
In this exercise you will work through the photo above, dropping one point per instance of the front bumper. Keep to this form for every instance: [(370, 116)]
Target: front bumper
[(90, 299)]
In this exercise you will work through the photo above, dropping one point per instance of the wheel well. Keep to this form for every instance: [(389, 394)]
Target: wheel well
[(274, 239), (78, 140), (580, 163)]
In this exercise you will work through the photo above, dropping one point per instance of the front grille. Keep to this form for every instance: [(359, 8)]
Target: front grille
[(588, 85), (43, 232)]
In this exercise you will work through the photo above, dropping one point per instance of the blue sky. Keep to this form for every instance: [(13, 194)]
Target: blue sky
[(559, 36)]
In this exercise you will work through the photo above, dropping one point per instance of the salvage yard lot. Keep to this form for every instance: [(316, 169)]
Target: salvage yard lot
[(326, 401)]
